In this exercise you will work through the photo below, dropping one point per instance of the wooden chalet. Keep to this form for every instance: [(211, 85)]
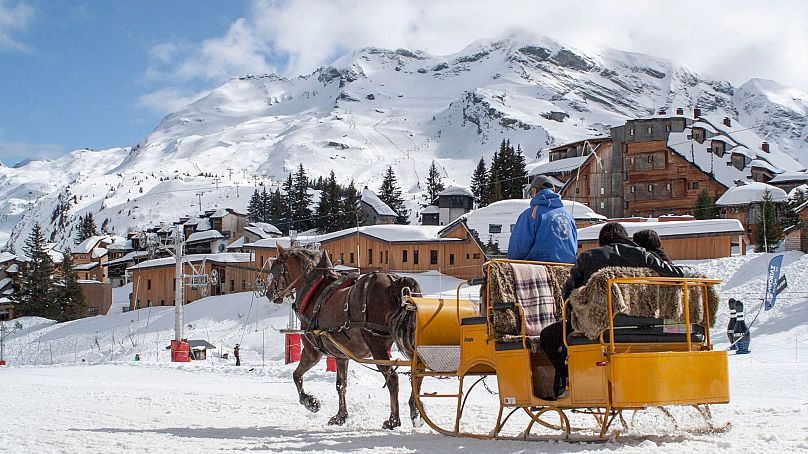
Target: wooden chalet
[(374, 211), (744, 202), (682, 240)]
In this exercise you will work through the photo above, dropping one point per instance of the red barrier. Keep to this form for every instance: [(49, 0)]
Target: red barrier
[(3, 363), (180, 351), (291, 348), (330, 364)]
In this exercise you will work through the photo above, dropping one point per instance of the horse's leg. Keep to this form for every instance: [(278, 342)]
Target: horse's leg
[(342, 386), (415, 415), (308, 358), (380, 350)]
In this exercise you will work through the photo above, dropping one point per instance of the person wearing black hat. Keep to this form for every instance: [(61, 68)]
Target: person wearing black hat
[(546, 231), (237, 354)]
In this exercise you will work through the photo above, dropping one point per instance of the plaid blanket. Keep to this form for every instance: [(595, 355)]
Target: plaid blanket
[(534, 291)]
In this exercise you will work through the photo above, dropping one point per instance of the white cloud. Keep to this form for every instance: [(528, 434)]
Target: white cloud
[(731, 39), (14, 18), (168, 99)]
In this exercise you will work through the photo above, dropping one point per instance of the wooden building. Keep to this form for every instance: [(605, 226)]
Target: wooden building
[(374, 211), (97, 297), (682, 240), (744, 202), (153, 280)]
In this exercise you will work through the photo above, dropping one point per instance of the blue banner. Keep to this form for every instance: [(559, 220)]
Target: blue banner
[(773, 281)]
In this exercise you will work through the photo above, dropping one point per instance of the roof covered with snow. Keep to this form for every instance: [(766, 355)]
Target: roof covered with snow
[(224, 257), (237, 244), (89, 244), (559, 165), (671, 228), (391, 233), (130, 257), (122, 245), (745, 194), (381, 208), (790, 176), (456, 190), (266, 227), (7, 257), (430, 209), (207, 235)]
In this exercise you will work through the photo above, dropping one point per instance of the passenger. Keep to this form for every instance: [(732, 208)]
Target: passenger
[(545, 232), (616, 249), (649, 240)]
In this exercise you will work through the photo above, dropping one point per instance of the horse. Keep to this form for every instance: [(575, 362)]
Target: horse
[(357, 316)]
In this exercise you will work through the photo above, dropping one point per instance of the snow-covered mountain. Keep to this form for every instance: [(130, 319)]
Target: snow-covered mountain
[(374, 108)]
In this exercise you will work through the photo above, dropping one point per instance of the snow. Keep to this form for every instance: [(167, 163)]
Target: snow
[(749, 193), (7, 256), (207, 235), (130, 257), (376, 203), (266, 227), (456, 190), (671, 228), (99, 252), (120, 299), (86, 246), (211, 405), (86, 266), (430, 209), (13, 269), (559, 165), (125, 245), (224, 257), (790, 176)]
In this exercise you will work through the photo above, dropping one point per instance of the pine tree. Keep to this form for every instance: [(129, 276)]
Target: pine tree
[(790, 217), (265, 202), (330, 206), (34, 296), (68, 298), (479, 184), (770, 231), (511, 172), (434, 183), (705, 207), (390, 194), (279, 211), (494, 177), (351, 214), (289, 202), (301, 210), (254, 208), (86, 228)]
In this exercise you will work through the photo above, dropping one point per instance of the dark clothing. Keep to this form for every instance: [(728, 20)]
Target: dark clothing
[(237, 355), (660, 254), (552, 342), (615, 254)]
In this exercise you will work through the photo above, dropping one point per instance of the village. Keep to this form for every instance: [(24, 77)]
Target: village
[(707, 198)]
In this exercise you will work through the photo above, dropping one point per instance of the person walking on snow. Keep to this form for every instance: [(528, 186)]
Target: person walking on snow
[(237, 354), (731, 325), (545, 232)]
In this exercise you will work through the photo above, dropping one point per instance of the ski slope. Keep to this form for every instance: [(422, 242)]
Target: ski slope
[(95, 398)]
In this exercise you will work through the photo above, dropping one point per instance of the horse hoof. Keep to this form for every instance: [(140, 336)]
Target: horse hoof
[(417, 422), (311, 404), (337, 420), (391, 424)]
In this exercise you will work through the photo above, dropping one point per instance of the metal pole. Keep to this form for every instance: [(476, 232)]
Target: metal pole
[(179, 241), (50, 347), (75, 350), (2, 341), (263, 332)]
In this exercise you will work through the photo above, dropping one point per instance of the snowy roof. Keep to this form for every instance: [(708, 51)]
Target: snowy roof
[(237, 244), (222, 212), (376, 203), (86, 266), (430, 209), (224, 257), (801, 188), (748, 144), (123, 245), (99, 252), (749, 193), (14, 268), (4, 282), (207, 235), (130, 257), (456, 190), (559, 165), (266, 227), (391, 233), (671, 228), (790, 176), (89, 244), (6, 257)]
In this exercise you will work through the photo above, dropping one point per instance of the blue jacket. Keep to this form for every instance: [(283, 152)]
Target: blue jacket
[(545, 232)]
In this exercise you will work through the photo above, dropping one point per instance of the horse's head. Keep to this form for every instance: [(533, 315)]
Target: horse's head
[(288, 271)]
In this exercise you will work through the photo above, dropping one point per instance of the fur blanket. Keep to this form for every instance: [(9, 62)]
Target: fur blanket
[(589, 304), (507, 322)]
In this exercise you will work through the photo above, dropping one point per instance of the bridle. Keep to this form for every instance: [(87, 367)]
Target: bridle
[(289, 289)]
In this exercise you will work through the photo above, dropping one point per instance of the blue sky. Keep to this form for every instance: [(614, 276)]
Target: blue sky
[(102, 73)]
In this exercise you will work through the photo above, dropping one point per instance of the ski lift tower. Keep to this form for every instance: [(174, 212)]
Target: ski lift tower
[(179, 346)]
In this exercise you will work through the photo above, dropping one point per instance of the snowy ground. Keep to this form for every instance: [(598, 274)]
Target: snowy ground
[(109, 403)]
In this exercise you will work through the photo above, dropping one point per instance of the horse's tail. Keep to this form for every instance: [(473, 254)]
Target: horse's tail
[(402, 326)]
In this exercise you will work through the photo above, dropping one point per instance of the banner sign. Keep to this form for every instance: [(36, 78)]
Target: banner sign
[(773, 281)]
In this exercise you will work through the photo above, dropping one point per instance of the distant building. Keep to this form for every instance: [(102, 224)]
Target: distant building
[(744, 202), (430, 215), (374, 211), (453, 202)]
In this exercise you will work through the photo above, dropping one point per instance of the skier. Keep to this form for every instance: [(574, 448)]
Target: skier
[(741, 331), (731, 325), (237, 354)]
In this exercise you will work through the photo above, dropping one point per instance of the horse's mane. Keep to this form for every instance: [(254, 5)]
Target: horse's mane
[(309, 257)]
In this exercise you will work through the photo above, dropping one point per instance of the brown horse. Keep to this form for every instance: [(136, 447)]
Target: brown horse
[(356, 316)]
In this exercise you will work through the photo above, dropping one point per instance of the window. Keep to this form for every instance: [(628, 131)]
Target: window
[(415, 256), (695, 185), (243, 284), (651, 187), (650, 130), (404, 256), (468, 256), (576, 190), (148, 303), (668, 128), (625, 176), (433, 257), (148, 284), (370, 256), (602, 191), (632, 189), (381, 257), (476, 255), (631, 131), (494, 228), (386, 258), (602, 205), (232, 285), (631, 160), (668, 186), (162, 302), (351, 256), (342, 257), (451, 259), (651, 158), (625, 204)]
